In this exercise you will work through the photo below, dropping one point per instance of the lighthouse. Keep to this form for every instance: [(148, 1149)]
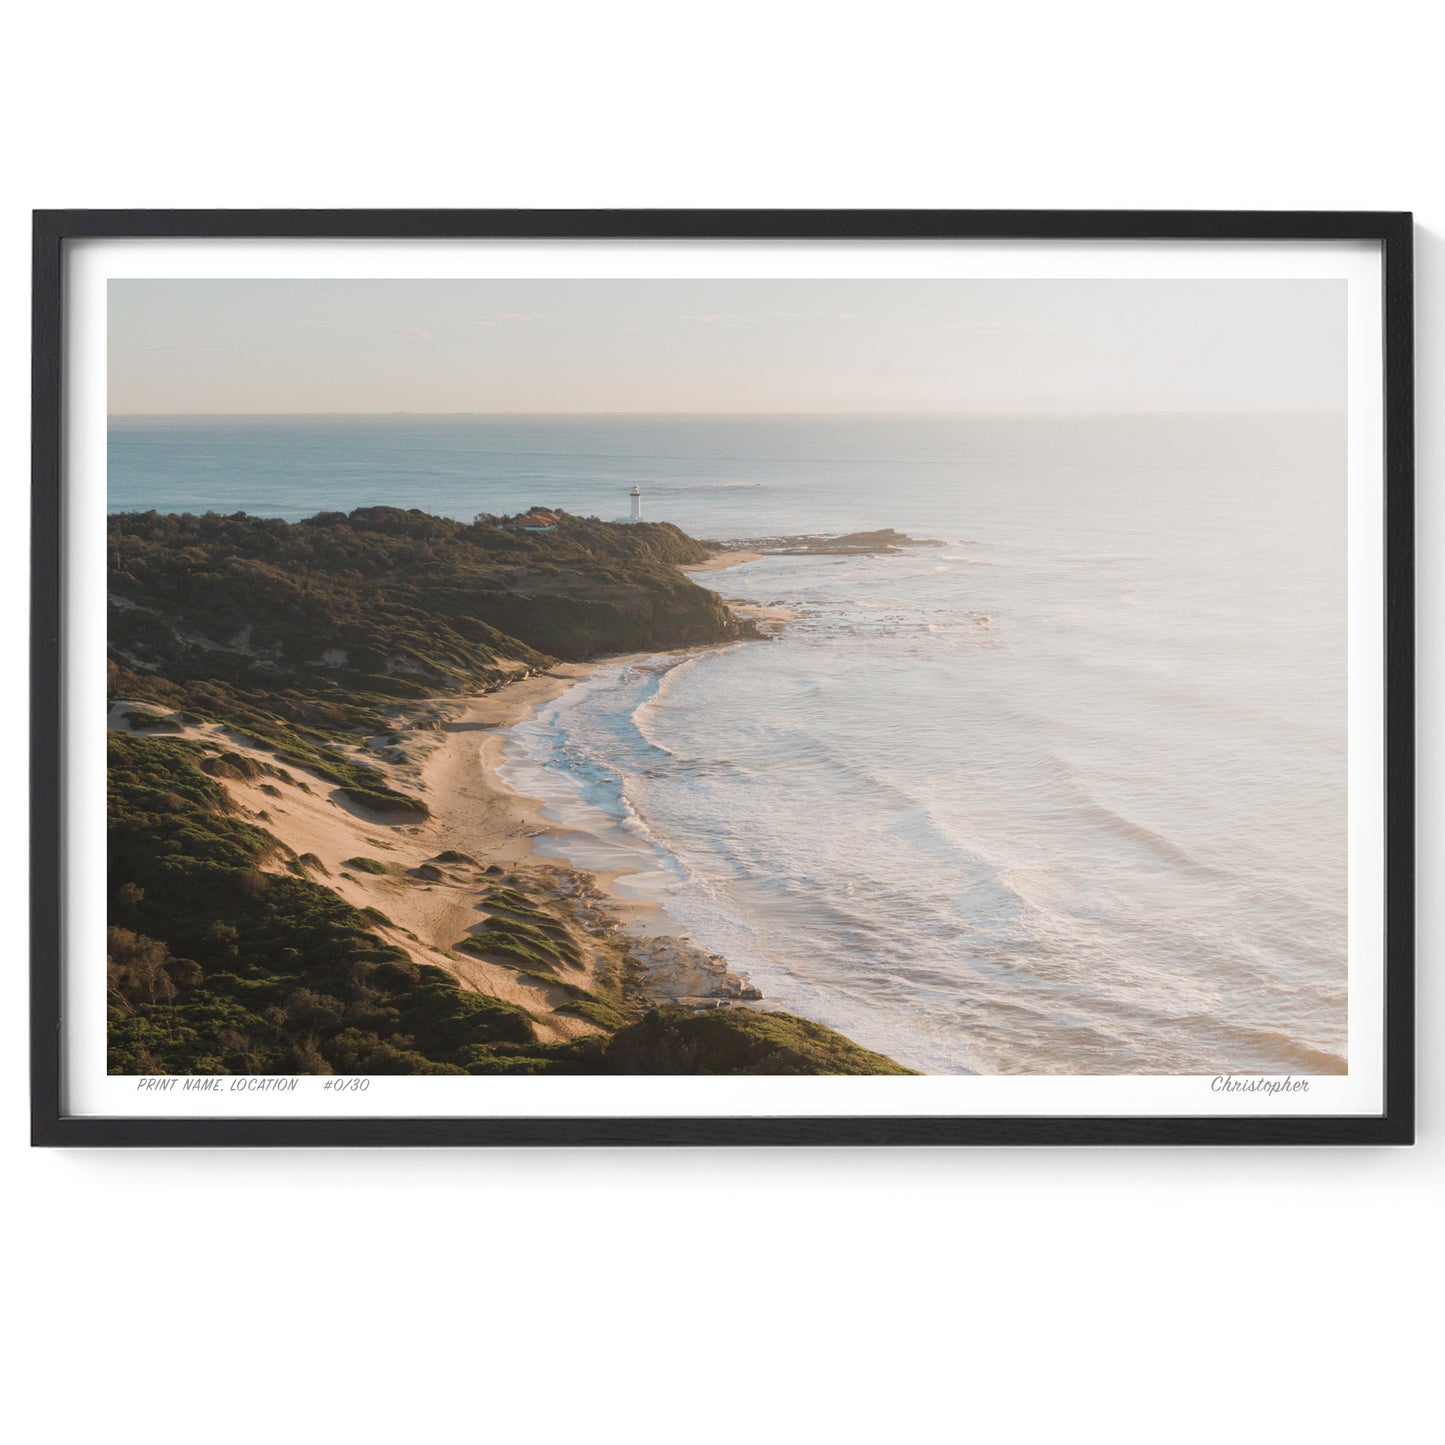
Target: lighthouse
[(636, 495)]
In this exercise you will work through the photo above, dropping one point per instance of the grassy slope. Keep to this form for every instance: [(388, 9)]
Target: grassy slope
[(297, 634)]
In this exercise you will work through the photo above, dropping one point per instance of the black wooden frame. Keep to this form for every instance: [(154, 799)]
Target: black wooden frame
[(54, 229)]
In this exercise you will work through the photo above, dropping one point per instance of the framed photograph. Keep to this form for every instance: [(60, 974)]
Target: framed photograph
[(719, 677)]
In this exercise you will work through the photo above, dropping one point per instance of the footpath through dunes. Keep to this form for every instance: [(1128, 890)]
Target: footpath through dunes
[(314, 867)]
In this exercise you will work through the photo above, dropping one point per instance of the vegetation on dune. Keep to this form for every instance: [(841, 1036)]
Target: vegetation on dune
[(393, 806), (513, 910), (521, 932), (271, 722), (366, 865), (517, 942), (218, 967), (596, 1011), (238, 767)]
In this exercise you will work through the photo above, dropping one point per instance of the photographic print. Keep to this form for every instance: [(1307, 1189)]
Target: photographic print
[(543, 681)]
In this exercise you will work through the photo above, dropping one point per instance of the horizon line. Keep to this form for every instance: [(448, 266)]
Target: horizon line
[(993, 412)]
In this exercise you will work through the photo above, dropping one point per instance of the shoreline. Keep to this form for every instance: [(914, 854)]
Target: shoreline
[(474, 802), (673, 968), (475, 805), (721, 561), (770, 620)]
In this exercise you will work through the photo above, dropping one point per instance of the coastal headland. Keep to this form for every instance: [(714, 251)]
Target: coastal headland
[(315, 866)]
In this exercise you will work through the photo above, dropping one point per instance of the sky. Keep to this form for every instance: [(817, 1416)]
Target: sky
[(249, 346)]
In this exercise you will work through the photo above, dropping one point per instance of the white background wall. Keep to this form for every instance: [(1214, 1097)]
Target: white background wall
[(1160, 1295)]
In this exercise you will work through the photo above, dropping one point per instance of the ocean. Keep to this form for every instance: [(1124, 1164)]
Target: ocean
[(1063, 794)]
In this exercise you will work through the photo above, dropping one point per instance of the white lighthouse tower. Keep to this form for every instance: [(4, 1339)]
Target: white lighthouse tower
[(636, 495)]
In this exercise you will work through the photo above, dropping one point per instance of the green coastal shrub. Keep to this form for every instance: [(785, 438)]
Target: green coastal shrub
[(235, 766), (388, 804), (515, 940), (594, 1010), (366, 865), (674, 1040)]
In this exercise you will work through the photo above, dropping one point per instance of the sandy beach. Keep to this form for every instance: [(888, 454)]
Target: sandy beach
[(721, 561)]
